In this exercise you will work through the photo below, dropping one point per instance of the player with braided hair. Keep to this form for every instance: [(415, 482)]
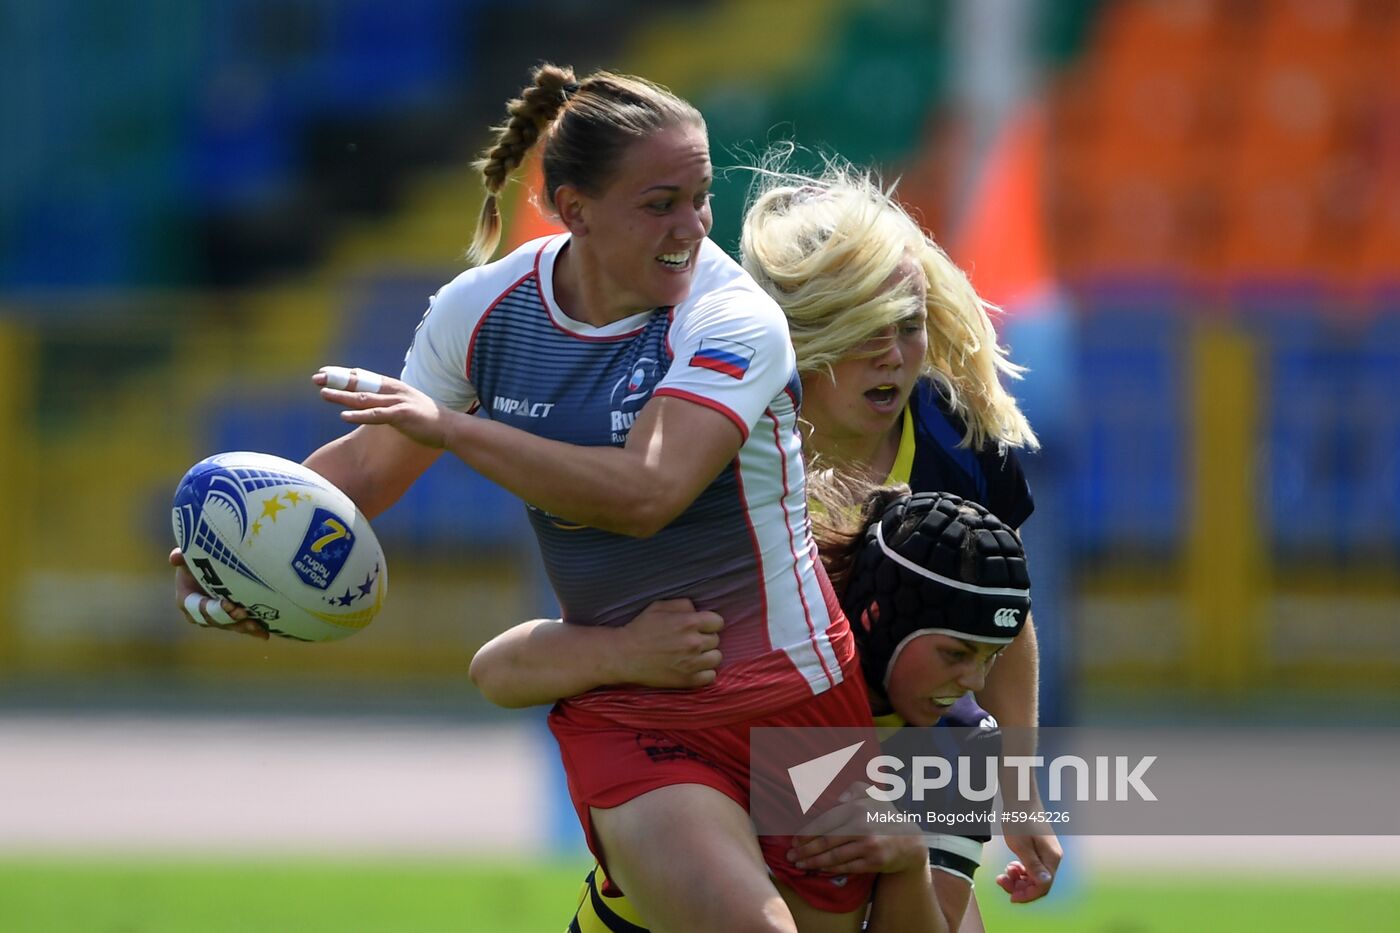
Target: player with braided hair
[(900, 375), (640, 395), (589, 124)]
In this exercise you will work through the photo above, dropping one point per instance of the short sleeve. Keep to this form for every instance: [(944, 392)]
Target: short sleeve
[(437, 359), (992, 475), (731, 353), (1008, 492)]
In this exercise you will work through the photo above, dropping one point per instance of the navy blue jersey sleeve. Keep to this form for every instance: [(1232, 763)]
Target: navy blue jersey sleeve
[(988, 476)]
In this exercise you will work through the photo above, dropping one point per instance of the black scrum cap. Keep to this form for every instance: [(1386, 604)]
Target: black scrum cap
[(934, 563)]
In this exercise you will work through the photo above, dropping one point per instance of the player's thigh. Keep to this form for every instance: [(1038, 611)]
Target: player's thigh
[(972, 918), (811, 920), (687, 858), (956, 900)]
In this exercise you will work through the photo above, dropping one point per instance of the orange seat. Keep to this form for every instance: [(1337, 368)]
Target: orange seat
[(1311, 31), (1229, 137), (1131, 224), (1132, 34), (1377, 256), (1274, 224)]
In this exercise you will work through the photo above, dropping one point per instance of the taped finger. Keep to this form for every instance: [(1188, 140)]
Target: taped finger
[(352, 380), (216, 612), (194, 609)]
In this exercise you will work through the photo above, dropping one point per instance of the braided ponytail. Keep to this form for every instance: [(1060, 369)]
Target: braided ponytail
[(531, 114), (584, 141)]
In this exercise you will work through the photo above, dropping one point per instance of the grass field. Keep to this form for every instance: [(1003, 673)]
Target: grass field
[(268, 896)]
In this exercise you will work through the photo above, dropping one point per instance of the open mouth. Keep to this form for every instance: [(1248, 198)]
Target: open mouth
[(674, 261), (883, 395)]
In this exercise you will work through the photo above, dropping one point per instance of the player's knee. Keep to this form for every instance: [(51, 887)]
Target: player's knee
[(773, 918), (771, 925)]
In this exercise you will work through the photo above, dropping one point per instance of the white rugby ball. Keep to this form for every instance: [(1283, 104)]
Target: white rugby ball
[(283, 541)]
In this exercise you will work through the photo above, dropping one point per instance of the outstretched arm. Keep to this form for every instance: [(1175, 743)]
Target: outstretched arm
[(674, 450), (371, 465)]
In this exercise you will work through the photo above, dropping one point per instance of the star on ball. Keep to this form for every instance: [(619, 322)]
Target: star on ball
[(270, 508)]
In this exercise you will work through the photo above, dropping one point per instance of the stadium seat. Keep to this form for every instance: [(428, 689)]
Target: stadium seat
[(1377, 254), (1127, 490), (1374, 519), (1273, 225), (1307, 459)]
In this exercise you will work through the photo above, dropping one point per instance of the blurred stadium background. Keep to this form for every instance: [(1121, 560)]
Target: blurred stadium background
[(1189, 209)]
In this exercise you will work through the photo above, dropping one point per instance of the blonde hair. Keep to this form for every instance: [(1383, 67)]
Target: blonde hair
[(841, 506), (586, 124), (825, 247)]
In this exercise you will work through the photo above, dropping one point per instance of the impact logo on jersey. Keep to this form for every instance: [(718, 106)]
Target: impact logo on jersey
[(521, 407), (723, 356), (276, 537)]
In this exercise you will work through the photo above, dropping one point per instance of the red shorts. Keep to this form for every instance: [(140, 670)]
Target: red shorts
[(608, 764)]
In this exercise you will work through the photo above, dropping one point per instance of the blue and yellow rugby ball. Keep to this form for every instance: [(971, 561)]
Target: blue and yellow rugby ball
[(282, 541)]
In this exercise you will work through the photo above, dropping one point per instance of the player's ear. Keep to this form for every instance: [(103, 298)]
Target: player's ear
[(572, 208)]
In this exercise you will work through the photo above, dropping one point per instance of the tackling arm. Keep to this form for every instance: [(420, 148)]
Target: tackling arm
[(907, 901), (669, 645), (1010, 695), (1013, 683)]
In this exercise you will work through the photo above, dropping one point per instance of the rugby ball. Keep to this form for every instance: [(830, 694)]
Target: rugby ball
[(282, 541)]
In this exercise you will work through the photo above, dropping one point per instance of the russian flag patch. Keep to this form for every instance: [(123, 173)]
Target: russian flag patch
[(723, 356)]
